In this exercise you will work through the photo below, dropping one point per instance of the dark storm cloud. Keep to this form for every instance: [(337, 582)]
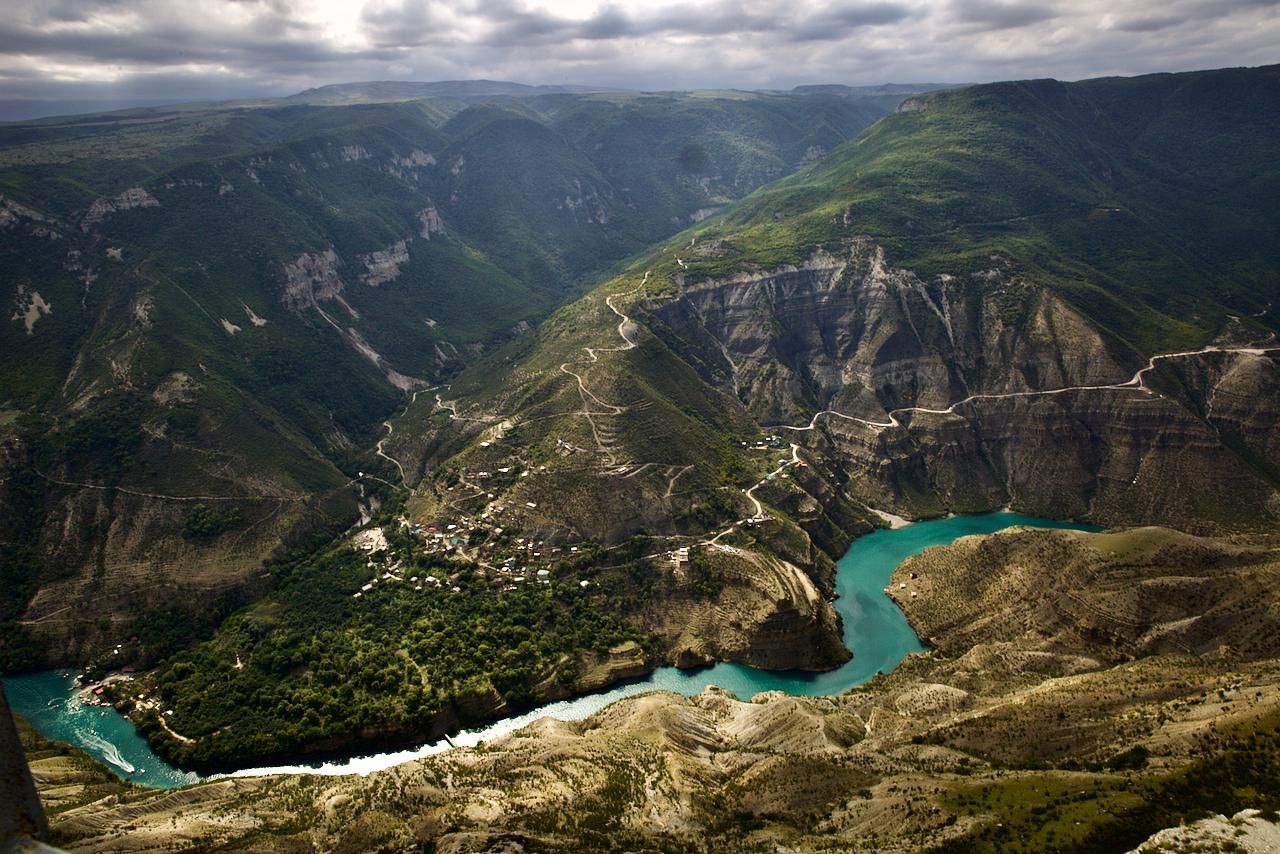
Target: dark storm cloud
[(609, 22), (404, 24), (156, 34), (509, 24), (214, 48), (1000, 14), (838, 24), (1148, 24)]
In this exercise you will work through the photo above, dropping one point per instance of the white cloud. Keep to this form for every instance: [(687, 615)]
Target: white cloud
[(77, 49)]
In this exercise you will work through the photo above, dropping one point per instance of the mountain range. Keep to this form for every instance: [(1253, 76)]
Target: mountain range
[(667, 354), (215, 308)]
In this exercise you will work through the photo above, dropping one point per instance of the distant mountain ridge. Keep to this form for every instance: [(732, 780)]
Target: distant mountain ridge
[(391, 91), (407, 90)]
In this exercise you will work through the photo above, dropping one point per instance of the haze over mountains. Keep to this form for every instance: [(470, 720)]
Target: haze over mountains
[(359, 415)]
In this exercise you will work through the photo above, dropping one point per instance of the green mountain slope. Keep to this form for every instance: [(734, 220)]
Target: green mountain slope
[(1008, 240), (220, 305), (1149, 202)]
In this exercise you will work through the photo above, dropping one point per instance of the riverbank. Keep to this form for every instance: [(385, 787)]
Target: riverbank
[(51, 703), (874, 628), (95, 693)]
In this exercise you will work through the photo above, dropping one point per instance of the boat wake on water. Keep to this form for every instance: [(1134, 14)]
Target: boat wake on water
[(107, 751)]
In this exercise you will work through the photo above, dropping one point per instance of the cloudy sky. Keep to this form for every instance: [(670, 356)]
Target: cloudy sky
[(93, 52)]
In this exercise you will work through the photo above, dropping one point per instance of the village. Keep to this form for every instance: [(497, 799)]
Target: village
[(468, 548), (486, 548)]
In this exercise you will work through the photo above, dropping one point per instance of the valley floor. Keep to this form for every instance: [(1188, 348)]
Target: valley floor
[(1061, 725)]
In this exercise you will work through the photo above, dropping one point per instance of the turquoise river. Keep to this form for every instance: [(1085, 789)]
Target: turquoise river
[(874, 629)]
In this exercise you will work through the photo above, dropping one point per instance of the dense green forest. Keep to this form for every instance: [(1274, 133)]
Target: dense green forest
[(314, 665)]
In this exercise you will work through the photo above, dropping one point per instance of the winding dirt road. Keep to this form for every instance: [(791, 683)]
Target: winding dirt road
[(1137, 382), (378, 447), (624, 324), (627, 326)]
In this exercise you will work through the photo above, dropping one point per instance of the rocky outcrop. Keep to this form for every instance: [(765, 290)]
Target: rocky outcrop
[(587, 201), (429, 223), (1238, 395), (12, 212), (1247, 831), (384, 265), (414, 159), (134, 197), (29, 307), (702, 213), (621, 662), (409, 167), (312, 277), (352, 153), (768, 614)]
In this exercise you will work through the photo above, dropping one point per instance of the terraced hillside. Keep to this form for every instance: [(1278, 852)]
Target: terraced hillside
[(213, 309), (1036, 294)]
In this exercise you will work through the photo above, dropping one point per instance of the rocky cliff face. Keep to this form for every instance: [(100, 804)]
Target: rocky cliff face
[(384, 265), (847, 330), (134, 197), (970, 393), (769, 614), (312, 277)]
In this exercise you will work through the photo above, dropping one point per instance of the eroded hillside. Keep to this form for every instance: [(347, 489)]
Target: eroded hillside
[(1003, 347), (1013, 733)]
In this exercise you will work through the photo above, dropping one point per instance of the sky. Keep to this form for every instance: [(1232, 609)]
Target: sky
[(76, 55)]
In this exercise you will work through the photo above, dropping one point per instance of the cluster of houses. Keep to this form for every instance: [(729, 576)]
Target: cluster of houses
[(771, 441), (419, 583), (508, 561)]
